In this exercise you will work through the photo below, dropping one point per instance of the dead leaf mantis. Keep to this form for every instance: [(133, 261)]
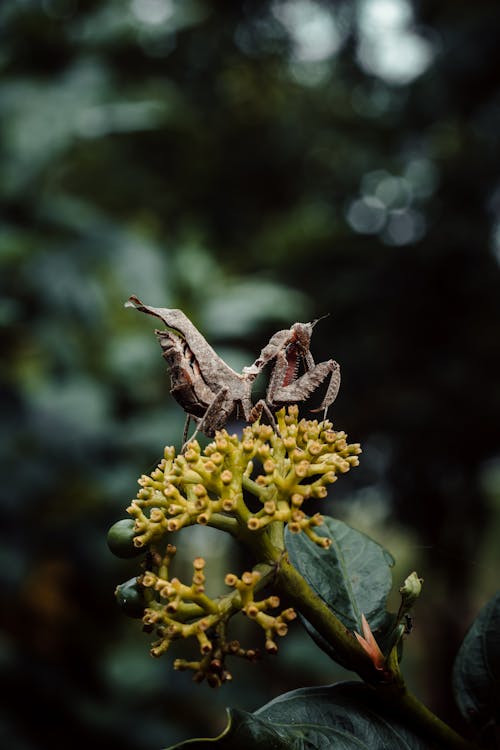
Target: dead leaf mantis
[(210, 391)]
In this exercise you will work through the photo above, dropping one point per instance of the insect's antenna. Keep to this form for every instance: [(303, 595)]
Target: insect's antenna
[(316, 320)]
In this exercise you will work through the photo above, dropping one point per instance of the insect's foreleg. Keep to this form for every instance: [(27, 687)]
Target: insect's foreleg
[(277, 377), (308, 360), (276, 346), (333, 387), (300, 389)]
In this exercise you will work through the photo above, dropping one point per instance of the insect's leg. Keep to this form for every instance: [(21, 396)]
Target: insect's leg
[(185, 433), (333, 388), (308, 360), (257, 411), (276, 345), (185, 439), (265, 405), (276, 379), (217, 413), (300, 389)]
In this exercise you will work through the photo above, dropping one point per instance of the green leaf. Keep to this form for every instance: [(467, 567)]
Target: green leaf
[(345, 716), (244, 731), (353, 576), (476, 672)]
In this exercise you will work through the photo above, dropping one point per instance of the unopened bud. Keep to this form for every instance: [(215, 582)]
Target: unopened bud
[(410, 590)]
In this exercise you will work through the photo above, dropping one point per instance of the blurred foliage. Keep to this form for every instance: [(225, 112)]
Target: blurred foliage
[(253, 163)]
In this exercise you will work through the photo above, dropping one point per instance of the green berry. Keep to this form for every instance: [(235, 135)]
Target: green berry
[(121, 539), (130, 598)]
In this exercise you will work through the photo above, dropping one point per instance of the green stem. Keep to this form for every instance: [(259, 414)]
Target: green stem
[(424, 721), (294, 587), (224, 523), (394, 695), (256, 489)]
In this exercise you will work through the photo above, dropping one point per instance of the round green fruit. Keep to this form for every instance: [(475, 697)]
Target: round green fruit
[(121, 539), (130, 598)]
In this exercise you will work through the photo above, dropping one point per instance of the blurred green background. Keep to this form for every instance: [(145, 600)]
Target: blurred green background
[(253, 163)]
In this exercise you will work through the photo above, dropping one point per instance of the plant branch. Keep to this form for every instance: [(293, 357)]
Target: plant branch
[(393, 694), (427, 723)]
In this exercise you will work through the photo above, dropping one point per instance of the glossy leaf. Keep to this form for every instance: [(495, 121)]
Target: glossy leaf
[(345, 716), (243, 731), (476, 673), (353, 576)]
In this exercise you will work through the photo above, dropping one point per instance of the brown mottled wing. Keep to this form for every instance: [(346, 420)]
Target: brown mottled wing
[(213, 368)]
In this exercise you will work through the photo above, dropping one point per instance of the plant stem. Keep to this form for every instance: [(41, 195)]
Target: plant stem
[(394, 695), (425, 722), (297, 591), (269, 548), (223, 523)]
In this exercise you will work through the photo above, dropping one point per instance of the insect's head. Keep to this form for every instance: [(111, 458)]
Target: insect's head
[(302, 332), (301, 335)]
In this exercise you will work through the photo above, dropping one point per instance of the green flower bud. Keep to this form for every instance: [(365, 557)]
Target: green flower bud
[(130, 598), (410, 590), (121, 539)]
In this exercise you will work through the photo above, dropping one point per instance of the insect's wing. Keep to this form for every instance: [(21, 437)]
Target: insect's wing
[(186, 385), (172, 318), (214, 371)]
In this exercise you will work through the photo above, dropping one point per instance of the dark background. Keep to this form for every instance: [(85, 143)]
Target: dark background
[(253, 164)]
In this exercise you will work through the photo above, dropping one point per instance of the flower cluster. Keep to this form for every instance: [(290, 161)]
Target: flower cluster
[(211, 487), (251, 487), (177, 610)]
